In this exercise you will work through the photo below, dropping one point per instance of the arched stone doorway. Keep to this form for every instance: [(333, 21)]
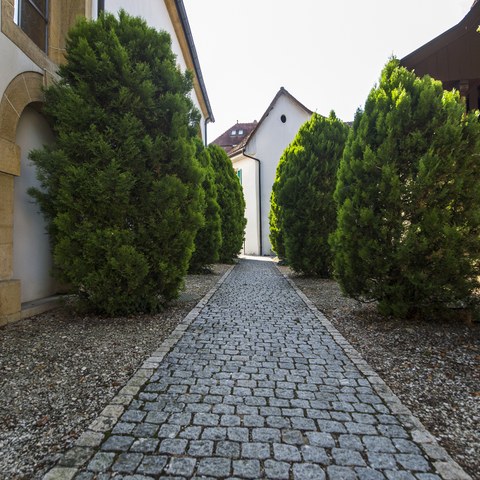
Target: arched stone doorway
[(25, 89), (32, 259)]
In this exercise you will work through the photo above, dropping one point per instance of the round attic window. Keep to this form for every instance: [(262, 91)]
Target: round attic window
[(283, 118)]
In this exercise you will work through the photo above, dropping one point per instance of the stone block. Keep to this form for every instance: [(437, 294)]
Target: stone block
[(9, 117), (9, 157), (9, 298), (6, 261), (60, 473)]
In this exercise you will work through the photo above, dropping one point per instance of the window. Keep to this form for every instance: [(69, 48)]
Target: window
[(234, 132), (283, 118), (32, 17), (240, 132)]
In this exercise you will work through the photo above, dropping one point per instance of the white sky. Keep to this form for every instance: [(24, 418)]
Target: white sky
[(326, 53)]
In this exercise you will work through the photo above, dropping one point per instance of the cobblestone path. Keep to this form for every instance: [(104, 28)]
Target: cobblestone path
[(259, 387)]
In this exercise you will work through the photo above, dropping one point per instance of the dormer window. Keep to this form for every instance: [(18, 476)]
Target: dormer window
[(32, 17)]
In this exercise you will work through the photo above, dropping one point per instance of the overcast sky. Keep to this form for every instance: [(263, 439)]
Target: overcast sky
[(326, 53)]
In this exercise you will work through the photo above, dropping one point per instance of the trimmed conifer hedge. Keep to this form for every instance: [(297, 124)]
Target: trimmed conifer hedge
[(121, 189), (303, 212), (209, 237), (408, 196), (231, 202)]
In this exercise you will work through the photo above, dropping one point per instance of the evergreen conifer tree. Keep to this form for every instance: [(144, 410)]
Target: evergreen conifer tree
[(408, 195), (231, 202), (303, 212), (209, 236), (275, 215), (121, 187)]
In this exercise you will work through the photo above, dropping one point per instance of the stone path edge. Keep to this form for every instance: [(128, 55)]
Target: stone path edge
[(444, 464), (85, 446)]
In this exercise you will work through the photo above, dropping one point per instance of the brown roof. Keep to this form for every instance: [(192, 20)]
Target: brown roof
[(453, 55), (235, 135), (240, 147)]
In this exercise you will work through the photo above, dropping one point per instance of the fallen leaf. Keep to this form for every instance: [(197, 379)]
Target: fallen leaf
[(43, 421)]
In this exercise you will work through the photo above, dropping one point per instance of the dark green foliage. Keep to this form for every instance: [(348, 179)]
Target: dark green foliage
[(232, 204), (408, 194), (209, 236), (121, 187), (275, 215), (303, 212)]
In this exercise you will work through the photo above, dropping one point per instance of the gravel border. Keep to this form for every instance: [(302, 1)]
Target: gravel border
[(60, 369)]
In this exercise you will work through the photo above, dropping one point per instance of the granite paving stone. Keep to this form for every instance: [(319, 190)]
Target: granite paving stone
[(315, 455), (256, 383), (127, 462), (246, 468), (102, 461), (287, 453), (214, 467), (152, 464), (308, 471), (277, 470), (228, 449), (200, 448), (182, 466)]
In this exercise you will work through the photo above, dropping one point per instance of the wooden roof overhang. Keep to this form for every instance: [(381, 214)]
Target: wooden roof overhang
[(454, 56)]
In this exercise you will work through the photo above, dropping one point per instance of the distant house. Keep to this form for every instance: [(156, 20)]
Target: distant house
[(32, 45), (255, 160), (235, 135), (453, 57)]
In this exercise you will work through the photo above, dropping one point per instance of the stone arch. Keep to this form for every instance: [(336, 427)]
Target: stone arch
[(25, 89)]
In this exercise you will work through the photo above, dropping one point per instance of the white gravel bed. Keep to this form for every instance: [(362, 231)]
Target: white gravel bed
[(432, 366), (58, 371)]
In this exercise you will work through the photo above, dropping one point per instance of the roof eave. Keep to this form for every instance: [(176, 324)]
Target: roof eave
[(282, 91), (453, 33), (178, 15)]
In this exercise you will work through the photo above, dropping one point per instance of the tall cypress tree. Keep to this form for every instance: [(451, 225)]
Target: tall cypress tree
[(232, 204), (276, 234), (303, 212), (408, 194), (209, 237), (121, 187)]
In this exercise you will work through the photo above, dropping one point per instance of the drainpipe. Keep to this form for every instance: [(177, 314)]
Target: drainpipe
[(207, 120), (259, 198)]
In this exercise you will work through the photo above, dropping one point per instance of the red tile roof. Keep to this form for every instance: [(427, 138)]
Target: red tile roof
[(235, 135)]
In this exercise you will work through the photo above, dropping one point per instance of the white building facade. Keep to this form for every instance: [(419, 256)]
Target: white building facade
[(256, 160), (32, 45)]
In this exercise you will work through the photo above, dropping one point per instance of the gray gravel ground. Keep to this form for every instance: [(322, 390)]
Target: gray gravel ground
[(433, 367), (58, 370)]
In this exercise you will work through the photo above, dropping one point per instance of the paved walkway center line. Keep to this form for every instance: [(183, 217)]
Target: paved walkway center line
[(260, 385)]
